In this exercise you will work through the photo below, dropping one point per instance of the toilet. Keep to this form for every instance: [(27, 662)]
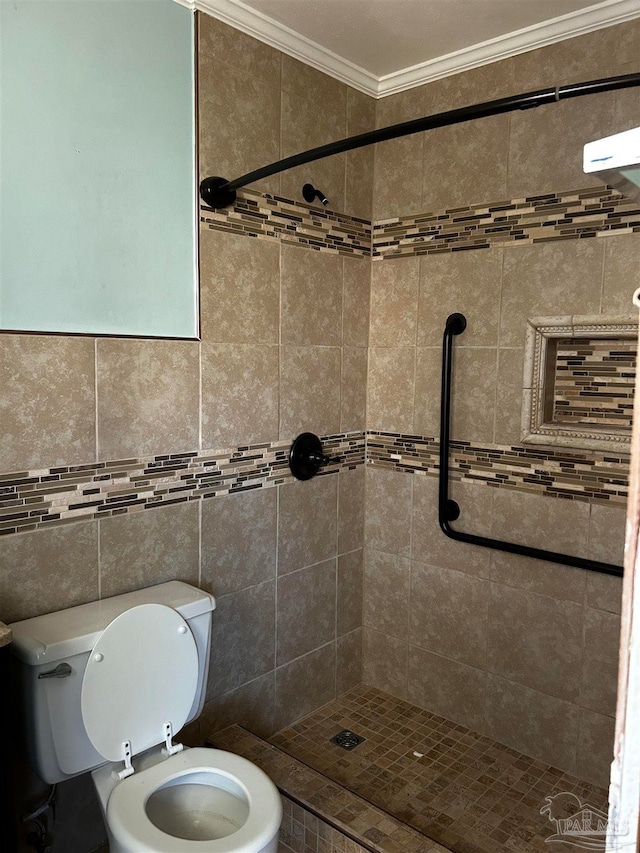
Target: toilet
[(107, 686)]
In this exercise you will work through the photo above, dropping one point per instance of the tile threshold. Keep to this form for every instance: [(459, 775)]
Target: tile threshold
[(361, 822)]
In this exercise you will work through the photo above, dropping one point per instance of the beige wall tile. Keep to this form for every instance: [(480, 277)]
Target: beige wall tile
[(539, 725), (548, 280), (239, 121), (239, 289), (386, 593), (397, 186), (231, 559), (475, 173), (595, 748), (604, 592), (426, 415), (311, 297), (302, 79), (447, 688), (545, 144), (599, 685), (306, 610), (473, 396), (251, 706), (394, 302), (535, 641), (448, 614), (47, 408), (509, 385), (48, 570), (485, 83), (148, 397), (349, 593), (242, 638), (468, 282), (146, 548), (239, 394), (384, 662), (353, 399), (430, 545), (391, 389), (355, 306), (317, 671), (565, 583), (219, 42), (621, 274), (606, 534), (309, 390), (351, 509), (588, 57), (361, 112), (307, 522), (348, 661), (541, 522), (359, 183), (388, 511), (308, 123)]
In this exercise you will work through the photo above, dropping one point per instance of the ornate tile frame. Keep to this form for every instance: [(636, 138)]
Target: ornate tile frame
[(540, 332)]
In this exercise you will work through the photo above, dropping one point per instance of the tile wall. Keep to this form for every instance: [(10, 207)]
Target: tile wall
[(523, 651), (289, 337)]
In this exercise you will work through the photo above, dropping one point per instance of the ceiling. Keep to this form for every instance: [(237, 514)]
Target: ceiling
[(386, 46)]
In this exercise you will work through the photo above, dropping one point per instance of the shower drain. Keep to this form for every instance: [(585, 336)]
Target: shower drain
[(347, 739)]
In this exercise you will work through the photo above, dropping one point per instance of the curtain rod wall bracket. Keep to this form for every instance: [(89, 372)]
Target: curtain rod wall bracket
[(216, 193)]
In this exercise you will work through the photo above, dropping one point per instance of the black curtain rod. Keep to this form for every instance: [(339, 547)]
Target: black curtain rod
[(449, 510), (219, 192)]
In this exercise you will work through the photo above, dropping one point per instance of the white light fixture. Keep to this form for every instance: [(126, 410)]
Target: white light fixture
[(616, 161)]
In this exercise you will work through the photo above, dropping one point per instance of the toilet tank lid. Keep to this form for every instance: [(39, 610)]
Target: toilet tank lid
[(55, 636)]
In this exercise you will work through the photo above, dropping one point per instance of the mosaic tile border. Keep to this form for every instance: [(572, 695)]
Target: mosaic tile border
[(571, 215), (594, 477), (30, 500), (537, 219), (364, 825), (273, 218)]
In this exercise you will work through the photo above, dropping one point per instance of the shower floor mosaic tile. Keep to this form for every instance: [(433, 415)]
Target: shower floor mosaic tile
[(460, 789)]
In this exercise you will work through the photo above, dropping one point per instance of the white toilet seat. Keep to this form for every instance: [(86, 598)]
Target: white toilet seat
[(132, 827)]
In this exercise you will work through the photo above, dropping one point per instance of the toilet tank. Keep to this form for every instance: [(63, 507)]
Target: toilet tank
[(57, 743)]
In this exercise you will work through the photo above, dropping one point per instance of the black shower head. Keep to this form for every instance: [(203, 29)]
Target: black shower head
[(310, 193)]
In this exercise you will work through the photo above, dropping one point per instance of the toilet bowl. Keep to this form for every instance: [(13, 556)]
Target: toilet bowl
[(198, 801), (108, 687)]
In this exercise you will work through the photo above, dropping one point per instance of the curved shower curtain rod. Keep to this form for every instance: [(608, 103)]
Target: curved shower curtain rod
[(219, 192)]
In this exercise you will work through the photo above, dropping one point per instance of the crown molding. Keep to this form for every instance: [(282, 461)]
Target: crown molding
[(265, 29)]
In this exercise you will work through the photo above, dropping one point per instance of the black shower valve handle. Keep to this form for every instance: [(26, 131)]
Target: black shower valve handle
[(306, 456), (321, 459)]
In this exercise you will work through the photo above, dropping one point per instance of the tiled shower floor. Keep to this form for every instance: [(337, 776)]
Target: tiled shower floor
[(463, 790)]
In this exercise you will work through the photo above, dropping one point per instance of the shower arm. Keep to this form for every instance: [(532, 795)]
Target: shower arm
[(217, 192), (449, 510)]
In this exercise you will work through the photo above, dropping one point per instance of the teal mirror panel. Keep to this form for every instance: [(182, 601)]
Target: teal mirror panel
[(97, 167)]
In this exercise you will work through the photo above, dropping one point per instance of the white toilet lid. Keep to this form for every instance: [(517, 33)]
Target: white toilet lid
[(141, 674)]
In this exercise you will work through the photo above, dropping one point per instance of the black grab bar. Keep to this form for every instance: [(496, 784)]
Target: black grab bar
[(449, 510)]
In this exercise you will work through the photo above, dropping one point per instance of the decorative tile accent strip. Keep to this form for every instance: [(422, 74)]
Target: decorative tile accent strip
[(594, 382), (596, 477), (538, 219), (364, 825), (274, 218), (35, 499)]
